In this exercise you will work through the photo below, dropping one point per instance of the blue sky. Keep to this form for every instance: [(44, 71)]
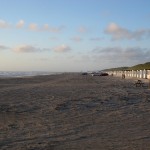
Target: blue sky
[(73, 35)]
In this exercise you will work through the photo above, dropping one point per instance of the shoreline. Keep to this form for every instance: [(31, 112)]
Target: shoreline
[(24, 74)]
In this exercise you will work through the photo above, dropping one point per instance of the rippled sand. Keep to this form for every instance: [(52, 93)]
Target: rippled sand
[(74, 112)]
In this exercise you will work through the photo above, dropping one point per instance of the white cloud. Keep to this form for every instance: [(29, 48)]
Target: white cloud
[(62, 48), (29, 49), (4, 24), (45, 28), (33, 27), (118, 33), (20, 24)]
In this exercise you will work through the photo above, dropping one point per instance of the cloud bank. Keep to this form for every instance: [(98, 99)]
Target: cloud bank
[(122, 55), (24, 48), (118, 33)]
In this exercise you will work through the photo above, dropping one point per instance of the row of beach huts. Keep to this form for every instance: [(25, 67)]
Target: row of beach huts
[(145, 74)]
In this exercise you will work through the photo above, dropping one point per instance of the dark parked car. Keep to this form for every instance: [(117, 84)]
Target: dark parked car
[(84, 73), (104, 74), (99, 74)]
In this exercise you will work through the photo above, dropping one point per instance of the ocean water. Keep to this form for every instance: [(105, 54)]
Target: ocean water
[(8, 74)]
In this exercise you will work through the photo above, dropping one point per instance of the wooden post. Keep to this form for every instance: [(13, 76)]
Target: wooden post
[(148, 77)]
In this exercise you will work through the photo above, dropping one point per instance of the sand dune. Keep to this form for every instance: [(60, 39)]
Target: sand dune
[(71, 111)]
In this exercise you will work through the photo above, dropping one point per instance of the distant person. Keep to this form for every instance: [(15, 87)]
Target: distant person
[(123, 76)]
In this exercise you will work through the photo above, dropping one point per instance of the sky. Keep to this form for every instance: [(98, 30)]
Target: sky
[(73, 35)]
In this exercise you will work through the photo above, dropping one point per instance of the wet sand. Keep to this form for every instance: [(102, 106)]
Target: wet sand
[(74, 112)]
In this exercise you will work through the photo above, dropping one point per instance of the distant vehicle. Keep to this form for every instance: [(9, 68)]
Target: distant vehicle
[(104, 74), (99, 74), (95, 74), (84, 73)]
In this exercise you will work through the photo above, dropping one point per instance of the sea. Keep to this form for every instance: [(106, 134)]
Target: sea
[(14, 74)]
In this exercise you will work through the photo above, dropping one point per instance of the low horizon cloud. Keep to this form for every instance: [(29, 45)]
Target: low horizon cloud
[(77, 39), (121, 55), (62, 48), (29, 49), (2, 47)]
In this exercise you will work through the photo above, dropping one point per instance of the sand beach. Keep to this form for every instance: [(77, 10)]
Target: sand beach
[(74, 112)]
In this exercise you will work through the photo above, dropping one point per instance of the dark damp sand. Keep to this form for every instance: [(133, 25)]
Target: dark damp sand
[(74, 112)]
